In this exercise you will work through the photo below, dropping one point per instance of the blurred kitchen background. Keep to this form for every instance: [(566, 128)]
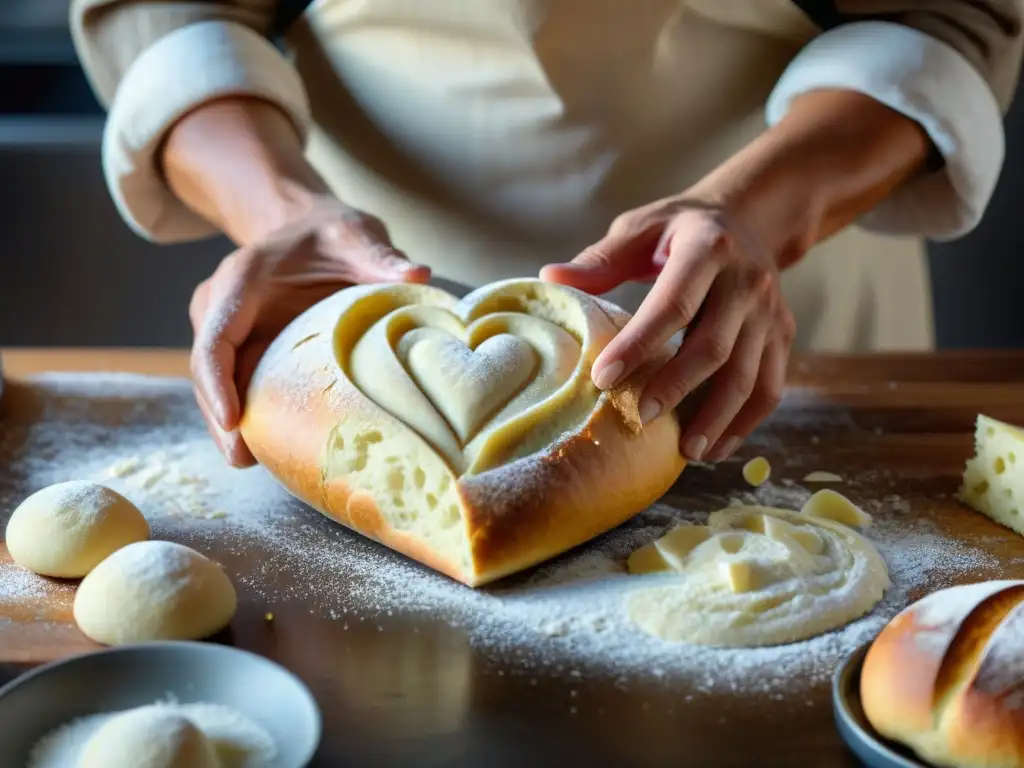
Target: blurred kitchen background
[(71, 273)]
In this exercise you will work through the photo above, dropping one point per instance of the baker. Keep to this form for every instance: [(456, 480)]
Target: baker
[(682, 157)]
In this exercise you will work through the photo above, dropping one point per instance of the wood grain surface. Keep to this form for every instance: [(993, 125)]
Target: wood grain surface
[(420, 694)]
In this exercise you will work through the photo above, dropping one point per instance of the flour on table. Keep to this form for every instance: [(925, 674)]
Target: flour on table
[(146, 439), (22, 591)]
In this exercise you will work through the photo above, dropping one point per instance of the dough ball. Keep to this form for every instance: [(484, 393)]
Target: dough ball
[(148, 737), (154, 590), (67, 529)]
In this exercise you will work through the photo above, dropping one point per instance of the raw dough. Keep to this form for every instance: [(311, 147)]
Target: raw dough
[(67, 529), (149, 737), (154, 590), (756, 576), (457, 384), (757, 471)]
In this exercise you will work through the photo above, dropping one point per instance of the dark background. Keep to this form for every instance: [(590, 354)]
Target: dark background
[(71, 273)]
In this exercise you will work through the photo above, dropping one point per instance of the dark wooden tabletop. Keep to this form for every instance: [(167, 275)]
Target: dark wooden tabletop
[(422, 694)]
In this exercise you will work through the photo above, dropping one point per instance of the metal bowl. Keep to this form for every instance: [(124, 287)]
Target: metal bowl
[(130, 676), (853, 725)]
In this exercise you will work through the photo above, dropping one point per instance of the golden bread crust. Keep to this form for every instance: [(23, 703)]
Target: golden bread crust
[(946, 677), (512, 515)]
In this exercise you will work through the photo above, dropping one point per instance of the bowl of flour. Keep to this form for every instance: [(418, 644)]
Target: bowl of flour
[(251, 712)]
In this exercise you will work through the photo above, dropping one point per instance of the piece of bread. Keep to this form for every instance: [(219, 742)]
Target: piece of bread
[(371, 409), (993, 481), (946, 677)]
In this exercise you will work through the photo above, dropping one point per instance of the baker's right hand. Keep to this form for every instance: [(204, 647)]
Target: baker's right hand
[(260, 288)]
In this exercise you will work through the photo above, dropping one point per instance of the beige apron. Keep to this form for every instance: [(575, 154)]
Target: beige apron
[(496, 136)]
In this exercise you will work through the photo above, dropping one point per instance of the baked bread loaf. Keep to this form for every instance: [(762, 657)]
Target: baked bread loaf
[(466, 434), (946, 677)]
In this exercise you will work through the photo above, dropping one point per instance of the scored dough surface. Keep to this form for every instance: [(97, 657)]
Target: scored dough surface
[(458, 380), (466, 433), (756, 576)]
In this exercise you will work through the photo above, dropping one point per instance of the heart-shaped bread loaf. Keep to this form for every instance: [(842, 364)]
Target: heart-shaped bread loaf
[(466, 434)]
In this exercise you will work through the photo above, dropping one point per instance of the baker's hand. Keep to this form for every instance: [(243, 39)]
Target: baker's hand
[(257, 290), (700, 262)]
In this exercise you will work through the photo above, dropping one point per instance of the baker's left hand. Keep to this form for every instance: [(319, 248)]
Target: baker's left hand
[(701, 262)]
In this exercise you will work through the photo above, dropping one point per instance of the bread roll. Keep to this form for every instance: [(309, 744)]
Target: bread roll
[(946, 677), (465, 434)]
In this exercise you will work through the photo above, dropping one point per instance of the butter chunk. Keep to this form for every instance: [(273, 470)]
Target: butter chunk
[(740, 575), (647, 559), (827, 504), (675, 545), (757, 471), (823, 477), (993, 480), (779, 530)]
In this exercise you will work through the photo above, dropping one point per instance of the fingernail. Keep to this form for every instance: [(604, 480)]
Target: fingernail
[(695, 446), (728, 448), (608, 376), (223, 417), (649, 411)]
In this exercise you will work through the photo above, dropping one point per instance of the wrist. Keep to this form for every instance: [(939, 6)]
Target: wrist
[(835, 156), (240, 163)]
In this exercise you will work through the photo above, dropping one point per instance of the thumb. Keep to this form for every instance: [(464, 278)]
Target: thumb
[(363, 245), (598, 268), (380, 263)]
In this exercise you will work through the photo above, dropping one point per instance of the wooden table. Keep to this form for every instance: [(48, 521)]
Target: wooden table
[(910, 414)]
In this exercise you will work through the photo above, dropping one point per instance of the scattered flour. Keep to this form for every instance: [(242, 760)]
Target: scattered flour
[(18, 584), (239, 742), (144, 437)]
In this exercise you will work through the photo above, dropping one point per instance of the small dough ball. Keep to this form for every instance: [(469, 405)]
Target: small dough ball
[(149, 737), (154, 590), (67, 529)]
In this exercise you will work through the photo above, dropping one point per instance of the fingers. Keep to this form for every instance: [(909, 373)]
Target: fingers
[(671, 305), (731, 389), (702, 354), (601, 267), (382, 264), (230, 444), (625, 253), (362, 244), (763, 401), (230, 314)]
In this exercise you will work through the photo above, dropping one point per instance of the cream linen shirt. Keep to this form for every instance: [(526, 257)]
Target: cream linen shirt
[(496, 136)]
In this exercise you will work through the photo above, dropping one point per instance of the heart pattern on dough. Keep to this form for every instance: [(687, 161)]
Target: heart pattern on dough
[(467, 385), (498, 374)]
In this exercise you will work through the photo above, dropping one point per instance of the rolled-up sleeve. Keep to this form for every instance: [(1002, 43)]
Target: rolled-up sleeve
[(151, 63), (950, 65)]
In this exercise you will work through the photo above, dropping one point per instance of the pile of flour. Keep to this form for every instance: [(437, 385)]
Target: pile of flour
[(238, 741), (145, 439)]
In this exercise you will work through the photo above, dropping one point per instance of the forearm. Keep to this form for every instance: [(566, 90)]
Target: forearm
[(239, 163), (832, 159), (164, 64)]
